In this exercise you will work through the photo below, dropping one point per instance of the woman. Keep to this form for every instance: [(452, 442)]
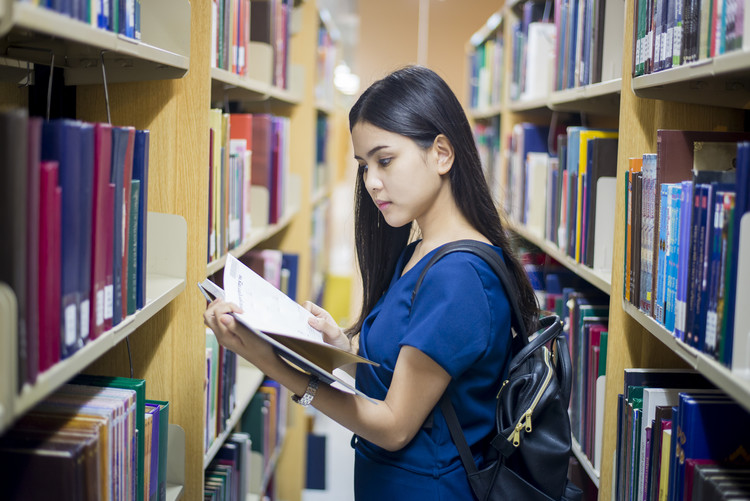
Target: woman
[(418, 170)]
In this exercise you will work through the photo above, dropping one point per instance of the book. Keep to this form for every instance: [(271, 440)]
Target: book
[(101, 220), (132, 250), (50, 210), (32, 209), (84, 212), (163, 434), (117, 179), (271, 315), (62, 143), (127, 178), (602, 163), (13, 254), (141, 154)]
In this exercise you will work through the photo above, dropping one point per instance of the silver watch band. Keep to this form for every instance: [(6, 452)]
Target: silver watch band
[(307, 398)]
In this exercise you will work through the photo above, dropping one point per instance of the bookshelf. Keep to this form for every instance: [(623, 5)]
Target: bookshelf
[(709, 94), (32, 33)]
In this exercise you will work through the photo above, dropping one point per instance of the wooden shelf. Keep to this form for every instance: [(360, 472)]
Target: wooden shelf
[(226, 85), (599, 99), (167, 243), (538, 105), (585, 463), (33, 33), (602, 280), (257, 236), (485, 113), (735, 385), (720, 81), (248, 381)]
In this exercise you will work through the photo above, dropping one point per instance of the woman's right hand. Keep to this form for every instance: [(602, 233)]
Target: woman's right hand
[(324, 322)]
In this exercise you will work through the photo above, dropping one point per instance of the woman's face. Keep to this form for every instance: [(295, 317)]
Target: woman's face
[(402, 179)]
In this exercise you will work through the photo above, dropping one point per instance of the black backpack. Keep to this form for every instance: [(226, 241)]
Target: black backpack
[(526, 457)]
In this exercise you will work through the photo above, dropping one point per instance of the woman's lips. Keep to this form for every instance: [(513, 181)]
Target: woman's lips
[(382, 205)]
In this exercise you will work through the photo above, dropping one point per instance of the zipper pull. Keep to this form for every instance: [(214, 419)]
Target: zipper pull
[(528, 420), (501, 389)]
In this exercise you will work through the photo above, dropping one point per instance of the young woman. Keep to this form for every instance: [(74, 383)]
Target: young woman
[(419, 186)]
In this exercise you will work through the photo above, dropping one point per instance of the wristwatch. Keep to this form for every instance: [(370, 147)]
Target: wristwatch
[(307, 398)]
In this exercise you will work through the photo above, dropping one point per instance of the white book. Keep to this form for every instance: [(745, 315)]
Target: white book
[(273, 316)]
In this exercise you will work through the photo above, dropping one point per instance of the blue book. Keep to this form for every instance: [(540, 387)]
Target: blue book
[(683, 258), (119, 148), (742, 206), (695, 269), (670, 292), (661, 278), (290, 263), (61, 142), (723, 200), (703, 421), (140, 173)]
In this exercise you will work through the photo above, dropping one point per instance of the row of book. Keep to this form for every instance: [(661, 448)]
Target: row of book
[(487, 137), (588, 45), (251, 38), (248, 176), (670, 33), (575, 179), (326, 59), (320, 176), (118, 16), (75, 200), (533, 39), (227, 477), (95, 438), (584, 312), (678, 438), (486, 72), (265, 421), (220, 390), (685, 206)]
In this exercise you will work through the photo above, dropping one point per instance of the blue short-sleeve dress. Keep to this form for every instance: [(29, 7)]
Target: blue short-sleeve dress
[(461, 319)]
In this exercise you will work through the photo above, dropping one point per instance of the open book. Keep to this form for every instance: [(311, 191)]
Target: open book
[(273, 316)]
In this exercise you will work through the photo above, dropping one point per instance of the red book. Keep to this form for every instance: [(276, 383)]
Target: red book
[(33, 190), (127, 183), (100, 221), (50, 210)]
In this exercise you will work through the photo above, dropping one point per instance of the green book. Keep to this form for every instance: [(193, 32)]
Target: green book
[(132, 277), (603, 353), (161, 489), (139, 385)]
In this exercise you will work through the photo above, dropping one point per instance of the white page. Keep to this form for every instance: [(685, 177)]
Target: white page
[(264, 306)]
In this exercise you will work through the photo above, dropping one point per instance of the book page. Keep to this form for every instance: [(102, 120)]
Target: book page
[(264, 306)]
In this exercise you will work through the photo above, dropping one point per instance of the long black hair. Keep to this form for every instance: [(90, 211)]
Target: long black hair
[(417, 103)]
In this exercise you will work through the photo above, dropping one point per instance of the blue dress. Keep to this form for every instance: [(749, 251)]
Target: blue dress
[(461, 319)]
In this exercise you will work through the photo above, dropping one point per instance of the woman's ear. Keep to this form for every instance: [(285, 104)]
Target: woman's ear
[(443, 150)]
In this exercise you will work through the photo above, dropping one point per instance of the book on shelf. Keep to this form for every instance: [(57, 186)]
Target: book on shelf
[(140, 173), (274, 317)]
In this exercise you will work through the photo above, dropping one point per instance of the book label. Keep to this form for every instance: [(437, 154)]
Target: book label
[(108, 301), (70, 324), (100, 307), (85, 312)]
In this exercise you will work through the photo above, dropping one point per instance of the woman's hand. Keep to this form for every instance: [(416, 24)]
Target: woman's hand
[(235, 336), (324, 322)]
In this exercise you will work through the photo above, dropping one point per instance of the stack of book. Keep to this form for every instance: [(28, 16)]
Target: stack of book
[(684, 211), (672, 442), (248, 176), (97, 438), (670, 33), (76, 195), (122, 16), (576, 183), (228, 475), (251, 38)]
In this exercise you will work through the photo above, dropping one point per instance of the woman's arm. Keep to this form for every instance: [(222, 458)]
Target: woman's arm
[(417, 385)]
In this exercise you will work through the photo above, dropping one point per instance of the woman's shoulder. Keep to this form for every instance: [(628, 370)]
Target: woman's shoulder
[(460, 266)]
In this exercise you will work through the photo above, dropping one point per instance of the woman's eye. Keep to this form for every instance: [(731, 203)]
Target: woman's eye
[(384, 161)]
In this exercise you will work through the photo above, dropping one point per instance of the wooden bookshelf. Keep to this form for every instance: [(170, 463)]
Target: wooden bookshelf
[(33, 33), (600, 98), (228, 86), (599, 279)]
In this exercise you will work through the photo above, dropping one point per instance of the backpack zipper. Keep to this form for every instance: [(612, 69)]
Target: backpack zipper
[(525, 419)]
